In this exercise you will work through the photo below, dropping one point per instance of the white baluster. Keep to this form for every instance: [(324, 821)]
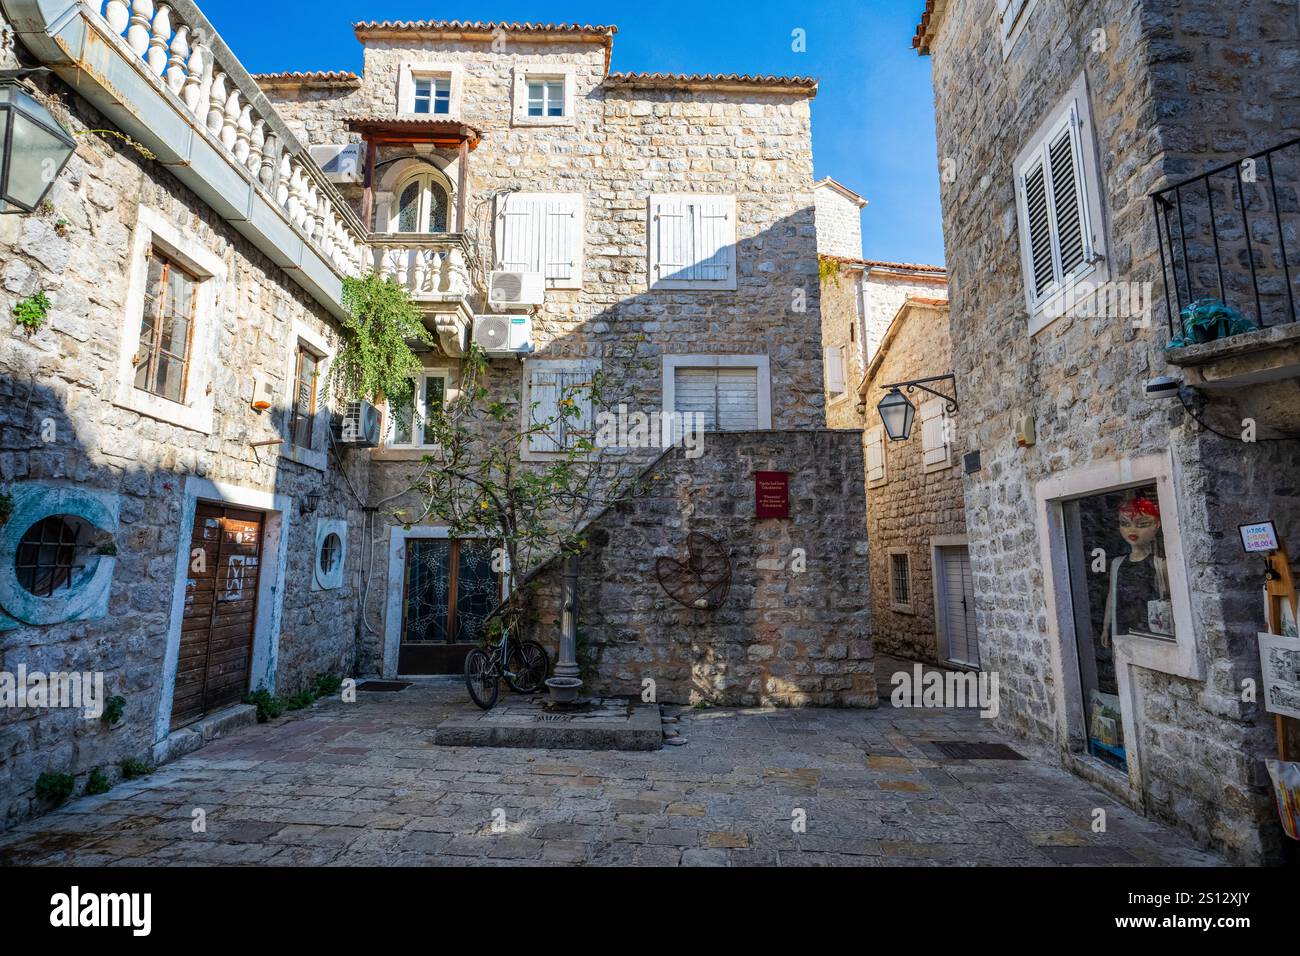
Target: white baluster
[(266, 173), (137, 34), (256, 143), (162, 33), (180, 52), (117, 13), (420, 272), (198, 70), (230, 120), (282, 185), (217, 103), (243, 133), (309, 211), (457, 279), (295, 196)]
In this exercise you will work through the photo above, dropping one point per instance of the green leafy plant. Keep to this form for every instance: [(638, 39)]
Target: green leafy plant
[(304, 698), (113, 708), (108, 550), (62, 226), (54, 787), (131, 769), (268, 705), (97, 783), (585, 657), (30, 312), (828, 270), (376, 360), (327, 685)]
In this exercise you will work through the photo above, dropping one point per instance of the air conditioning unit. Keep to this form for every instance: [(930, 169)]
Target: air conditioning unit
[(515, 289), (341, 163), (358, 426), (504, 334)]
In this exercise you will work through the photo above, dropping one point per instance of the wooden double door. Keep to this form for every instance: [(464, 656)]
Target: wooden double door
[(451, 586), (220, 611)]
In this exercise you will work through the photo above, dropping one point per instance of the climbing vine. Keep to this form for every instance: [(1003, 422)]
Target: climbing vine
[(828, 270), (376, 360)]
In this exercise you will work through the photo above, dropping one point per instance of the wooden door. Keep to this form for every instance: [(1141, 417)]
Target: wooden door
[(220, 612), (450, 588), (957, 606)]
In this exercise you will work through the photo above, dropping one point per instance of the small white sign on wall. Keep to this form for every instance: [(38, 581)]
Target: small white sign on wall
[(1258, 537), (1279, 658)]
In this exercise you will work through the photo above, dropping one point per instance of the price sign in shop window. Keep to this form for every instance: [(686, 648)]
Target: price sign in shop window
[(1119, 582)]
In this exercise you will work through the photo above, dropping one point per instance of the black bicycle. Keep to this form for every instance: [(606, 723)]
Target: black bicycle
[(524, 665)]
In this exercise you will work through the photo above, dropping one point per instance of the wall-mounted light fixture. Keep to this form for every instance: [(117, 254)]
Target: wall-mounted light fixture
[(897, 412), (34, 147), (308, 502)]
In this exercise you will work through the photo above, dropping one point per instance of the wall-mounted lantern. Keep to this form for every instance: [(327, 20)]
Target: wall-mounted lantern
[(308, 503), (897, 412), (35, 147)]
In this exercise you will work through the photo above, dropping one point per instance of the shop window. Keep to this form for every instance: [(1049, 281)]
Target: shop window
[(1119, 582)]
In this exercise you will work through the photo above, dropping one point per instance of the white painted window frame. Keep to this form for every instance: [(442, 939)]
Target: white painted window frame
[(900, 607), (413, 450), (332, 580), (872, 436), (1178, 657), (579, 232), (155, 231), (411, 70), (525, 406), (303, 335), (523, 73), (1072, 109), (728, 284), (762, 363)]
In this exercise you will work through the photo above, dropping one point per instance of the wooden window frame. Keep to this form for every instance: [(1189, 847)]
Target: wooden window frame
[(295, 413), (148, 358)]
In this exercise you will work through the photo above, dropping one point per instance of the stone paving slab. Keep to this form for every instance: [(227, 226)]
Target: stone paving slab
[(366, 784), (602, 724)]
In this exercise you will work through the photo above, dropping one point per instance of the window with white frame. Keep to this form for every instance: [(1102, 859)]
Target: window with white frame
[(167, 336), (542, 232), (727, 392), (331, 554), (421, 203), (833, 360), (1058, 202), (874, 448), (557, 405), (430, 90), (544, 95), (900, 580), (936, 453), (410, 426), (1012, 17), (692, 241)]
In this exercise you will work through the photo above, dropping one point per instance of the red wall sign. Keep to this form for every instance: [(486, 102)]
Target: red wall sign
[(771, 494)]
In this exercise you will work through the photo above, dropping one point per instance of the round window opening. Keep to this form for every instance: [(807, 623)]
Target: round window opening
[(329, 553), (53, 554)]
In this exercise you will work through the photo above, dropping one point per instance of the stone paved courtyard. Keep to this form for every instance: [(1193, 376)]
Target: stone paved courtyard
[(357, 784)]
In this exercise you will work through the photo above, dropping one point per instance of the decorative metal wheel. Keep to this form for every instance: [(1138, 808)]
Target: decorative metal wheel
[(702, 581)]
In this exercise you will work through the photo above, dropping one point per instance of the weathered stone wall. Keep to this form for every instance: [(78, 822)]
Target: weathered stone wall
[(841, 306), (886, 289), (76, 250), (626, 144), (1173, 90), (783, 636), (911, 507), (839, 223)]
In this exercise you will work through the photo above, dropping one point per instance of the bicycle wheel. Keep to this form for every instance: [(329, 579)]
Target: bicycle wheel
[(481, 679), (530, 664)]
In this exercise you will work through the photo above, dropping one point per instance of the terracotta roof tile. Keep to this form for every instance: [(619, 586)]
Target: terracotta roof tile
[(739, 79), (310, 78), (479, 26), (885, 264)]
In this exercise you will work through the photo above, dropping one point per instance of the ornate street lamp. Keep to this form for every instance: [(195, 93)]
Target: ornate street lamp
[(897, 412), (34, 146)]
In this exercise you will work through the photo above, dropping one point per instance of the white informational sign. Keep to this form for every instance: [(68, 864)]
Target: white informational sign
[(1258, 537), (1279, 658)]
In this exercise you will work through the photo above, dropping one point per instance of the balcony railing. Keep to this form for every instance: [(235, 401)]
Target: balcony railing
[(183, 50), (430, 266), (1233, 233)]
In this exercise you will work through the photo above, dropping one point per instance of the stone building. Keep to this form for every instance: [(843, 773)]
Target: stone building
[(922, 595), (189, 513), (1112, 594)]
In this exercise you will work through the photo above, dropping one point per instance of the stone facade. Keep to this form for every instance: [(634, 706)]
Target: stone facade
[(1172, 90), (839, 219), (793, 629), (916, 508)]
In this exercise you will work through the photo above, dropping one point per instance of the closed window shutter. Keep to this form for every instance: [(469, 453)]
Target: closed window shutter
[(576, 386), (715, 235), (1063, 155), (834, 363), (1009, 13), (934, 438), (737, 399), (674, 240), (875, 455), (560, 235), (1040, 229), (520, 242), (695, 391), (543, 400)]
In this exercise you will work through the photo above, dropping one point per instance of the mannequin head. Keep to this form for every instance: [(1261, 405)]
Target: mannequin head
[(1139, 522)]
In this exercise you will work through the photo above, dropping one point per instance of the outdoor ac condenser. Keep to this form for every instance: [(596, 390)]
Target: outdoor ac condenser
[(507, 290), (504, 334), (358, 426)]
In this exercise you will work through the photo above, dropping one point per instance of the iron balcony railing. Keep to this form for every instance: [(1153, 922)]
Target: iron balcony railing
[(1233, 233)]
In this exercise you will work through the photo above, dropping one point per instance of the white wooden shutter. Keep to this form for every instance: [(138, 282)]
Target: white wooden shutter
[(833, 360), (1038, 229), (519, 233), (875, 448), (543, 401), (695, 391), (737, 399), (674, 245), (1066, 169), (693, 241), (562, 240), (934, 434), (715, 238), (1009, 13), (575, 385)]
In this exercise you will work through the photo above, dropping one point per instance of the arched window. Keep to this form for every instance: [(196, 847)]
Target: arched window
[(421, 205)]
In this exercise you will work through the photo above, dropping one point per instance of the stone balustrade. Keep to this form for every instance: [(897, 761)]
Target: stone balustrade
[(429, 266), (179, 46)]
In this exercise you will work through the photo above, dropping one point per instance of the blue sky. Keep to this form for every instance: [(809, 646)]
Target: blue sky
[(873, 118)]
